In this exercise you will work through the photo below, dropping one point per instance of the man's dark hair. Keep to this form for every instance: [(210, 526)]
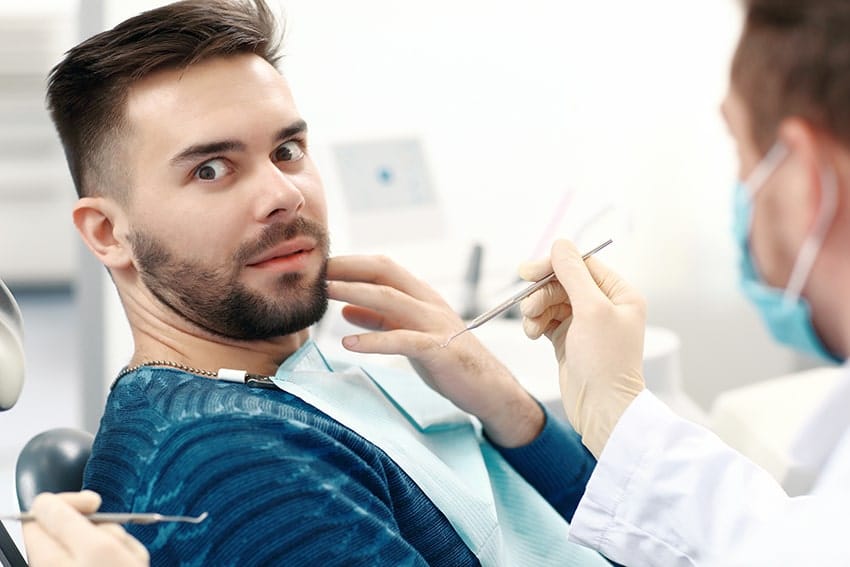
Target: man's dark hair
[(793, 59), (87, 90)]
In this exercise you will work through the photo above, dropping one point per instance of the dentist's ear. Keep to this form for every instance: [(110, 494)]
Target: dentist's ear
[(811, 151), (96, 219)]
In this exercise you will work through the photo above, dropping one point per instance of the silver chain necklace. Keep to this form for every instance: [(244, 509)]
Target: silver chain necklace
[(226, 374)]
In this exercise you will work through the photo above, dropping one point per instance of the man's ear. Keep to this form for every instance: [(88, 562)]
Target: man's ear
[(96, 219)]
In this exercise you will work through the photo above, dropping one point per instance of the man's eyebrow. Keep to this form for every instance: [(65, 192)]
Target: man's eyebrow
[(197, 151), (293, 129)]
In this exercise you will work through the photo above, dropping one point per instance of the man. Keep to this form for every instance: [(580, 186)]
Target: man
[(665, 491), (198, 194)]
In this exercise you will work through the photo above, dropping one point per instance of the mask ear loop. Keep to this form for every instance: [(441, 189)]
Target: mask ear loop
[(759, 176), (765, 168), (811, 246)]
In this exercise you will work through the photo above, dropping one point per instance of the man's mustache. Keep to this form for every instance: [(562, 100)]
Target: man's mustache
[(276, 233)]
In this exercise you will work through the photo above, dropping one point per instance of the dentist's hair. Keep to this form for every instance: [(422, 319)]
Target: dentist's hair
[(793, 59), (87, 90)]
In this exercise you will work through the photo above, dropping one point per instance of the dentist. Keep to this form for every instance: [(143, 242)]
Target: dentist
[(666, 491)]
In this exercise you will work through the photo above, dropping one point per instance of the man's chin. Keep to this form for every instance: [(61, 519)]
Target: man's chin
[(293, 308)]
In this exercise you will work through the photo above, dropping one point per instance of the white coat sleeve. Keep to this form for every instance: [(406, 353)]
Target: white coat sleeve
[(667, 492)]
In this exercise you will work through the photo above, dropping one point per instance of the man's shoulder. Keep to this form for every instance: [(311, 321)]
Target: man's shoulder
[(280, 470), (164, 409), (179, 396)]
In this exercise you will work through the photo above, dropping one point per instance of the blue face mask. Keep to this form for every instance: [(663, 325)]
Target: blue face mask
[(785, 312)]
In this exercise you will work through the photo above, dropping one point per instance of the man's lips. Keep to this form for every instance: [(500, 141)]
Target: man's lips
[(285, 251)]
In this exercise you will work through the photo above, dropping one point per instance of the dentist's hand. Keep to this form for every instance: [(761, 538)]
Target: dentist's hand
[(596, 323), (407, 317), (61, 537)]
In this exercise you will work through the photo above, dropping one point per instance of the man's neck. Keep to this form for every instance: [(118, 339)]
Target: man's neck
[(160, 334), (210, 353)]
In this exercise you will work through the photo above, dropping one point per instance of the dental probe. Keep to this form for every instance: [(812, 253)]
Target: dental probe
[(516, 298), (119, 518)]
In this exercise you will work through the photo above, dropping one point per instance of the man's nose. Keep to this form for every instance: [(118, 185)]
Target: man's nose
[(280, 198)]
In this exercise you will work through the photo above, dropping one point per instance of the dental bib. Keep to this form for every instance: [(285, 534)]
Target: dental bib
[(497, 514)]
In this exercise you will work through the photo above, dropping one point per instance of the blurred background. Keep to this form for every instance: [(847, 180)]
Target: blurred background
[(456, 137)]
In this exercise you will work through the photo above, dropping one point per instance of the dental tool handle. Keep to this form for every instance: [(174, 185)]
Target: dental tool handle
[(515, 298), (523, 293), (119, 518), (509, 302)]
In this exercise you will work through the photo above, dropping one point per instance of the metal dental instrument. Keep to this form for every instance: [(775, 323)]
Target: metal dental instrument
[(119, 518), (516, 298)]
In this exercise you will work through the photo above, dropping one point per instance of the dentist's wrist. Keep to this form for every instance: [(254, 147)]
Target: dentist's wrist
[(599, 419)]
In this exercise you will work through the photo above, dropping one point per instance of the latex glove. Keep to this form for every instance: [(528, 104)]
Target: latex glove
[(408, 317), (60, 536), (596, 323)]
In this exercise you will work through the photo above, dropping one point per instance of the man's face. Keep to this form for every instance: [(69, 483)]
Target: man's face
[(227, 218)]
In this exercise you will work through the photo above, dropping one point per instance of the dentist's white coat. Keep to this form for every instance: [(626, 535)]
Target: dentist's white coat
[(668, 492)]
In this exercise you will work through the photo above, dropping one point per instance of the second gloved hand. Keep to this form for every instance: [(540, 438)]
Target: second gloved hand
[(61, 537), (596, 323)]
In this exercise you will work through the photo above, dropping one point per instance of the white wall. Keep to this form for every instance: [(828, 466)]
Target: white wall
[(36, 194), (521, 103), (525, 106)]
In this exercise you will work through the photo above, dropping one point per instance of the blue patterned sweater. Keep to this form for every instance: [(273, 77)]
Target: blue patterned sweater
[(284, 484)]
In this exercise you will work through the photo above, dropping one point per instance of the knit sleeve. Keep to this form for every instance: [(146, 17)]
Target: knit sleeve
[(556, 464), (276, 493)]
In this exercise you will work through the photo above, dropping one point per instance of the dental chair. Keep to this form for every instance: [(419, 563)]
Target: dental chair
[(52, 461), (11, 382), (10, 556)]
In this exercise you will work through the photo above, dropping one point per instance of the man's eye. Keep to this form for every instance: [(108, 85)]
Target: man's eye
[(211, 170), (289, 151)]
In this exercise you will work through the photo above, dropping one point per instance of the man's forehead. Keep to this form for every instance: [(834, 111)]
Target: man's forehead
[(209, 98), (217, 71)]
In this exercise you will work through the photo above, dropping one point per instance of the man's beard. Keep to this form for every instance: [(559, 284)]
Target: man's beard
[(214, 299)]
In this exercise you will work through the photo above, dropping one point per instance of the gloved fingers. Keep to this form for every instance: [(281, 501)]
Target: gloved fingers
[(115, 531), (612, 284), (61, 535), (42, 549), (538, 302), (533, 328), (58, 515), (136, 547), (554, 315), (555, 332), (120, 536), (575, 276), (85, 501), (534, 270), (59, 528)]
